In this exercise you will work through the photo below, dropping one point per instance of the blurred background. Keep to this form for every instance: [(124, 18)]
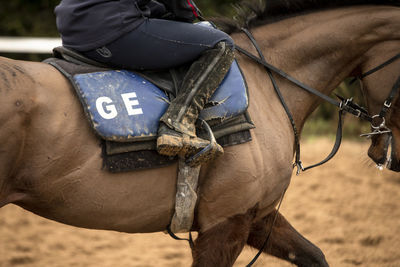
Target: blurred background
[(25, 18)]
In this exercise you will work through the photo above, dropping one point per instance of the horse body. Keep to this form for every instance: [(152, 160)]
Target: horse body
[(62, 170), (50, 161)]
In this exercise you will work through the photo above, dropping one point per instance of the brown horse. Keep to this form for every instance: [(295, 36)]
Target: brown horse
[(50, 160)]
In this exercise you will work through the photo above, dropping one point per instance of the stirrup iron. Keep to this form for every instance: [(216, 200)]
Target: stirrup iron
[(212, 146)]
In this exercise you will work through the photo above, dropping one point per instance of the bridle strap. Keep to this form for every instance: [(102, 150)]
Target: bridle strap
[(389, 99), (344, 105), (395, 89), (384, 64)]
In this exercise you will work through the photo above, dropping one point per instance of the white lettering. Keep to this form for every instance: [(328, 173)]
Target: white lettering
[(110, 112), (129, 103)]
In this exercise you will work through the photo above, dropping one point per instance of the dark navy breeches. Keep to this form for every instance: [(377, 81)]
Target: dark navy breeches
[(159, 44)]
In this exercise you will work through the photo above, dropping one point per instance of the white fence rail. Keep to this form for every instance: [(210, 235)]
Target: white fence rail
[(28, 45)]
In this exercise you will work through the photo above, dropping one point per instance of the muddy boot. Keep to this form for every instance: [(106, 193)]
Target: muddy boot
[(177, 132)]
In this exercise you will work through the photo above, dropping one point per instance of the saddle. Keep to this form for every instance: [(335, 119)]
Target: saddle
[(123, 108)]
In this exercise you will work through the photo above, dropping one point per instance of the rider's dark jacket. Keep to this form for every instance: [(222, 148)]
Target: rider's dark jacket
[(89, 24)]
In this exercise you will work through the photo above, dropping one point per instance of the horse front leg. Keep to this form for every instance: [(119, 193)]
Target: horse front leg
[(222, 244), (285, 242)]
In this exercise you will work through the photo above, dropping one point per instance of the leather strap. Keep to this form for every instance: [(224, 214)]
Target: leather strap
[(344, 105), (190, 239), (336, 146), (389, 99), (278, 92), (384, 64), (388, 102), (356, 112)]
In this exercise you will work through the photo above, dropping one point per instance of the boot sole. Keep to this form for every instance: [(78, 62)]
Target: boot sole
[(205, 157), (169, 145)]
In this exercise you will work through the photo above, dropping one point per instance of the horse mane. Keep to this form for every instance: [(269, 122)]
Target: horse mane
[(251, 13)]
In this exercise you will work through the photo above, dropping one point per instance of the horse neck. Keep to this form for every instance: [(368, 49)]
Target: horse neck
[(321, 49)]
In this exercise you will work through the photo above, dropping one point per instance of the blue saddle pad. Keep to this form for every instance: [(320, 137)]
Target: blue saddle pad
[(123, 106)]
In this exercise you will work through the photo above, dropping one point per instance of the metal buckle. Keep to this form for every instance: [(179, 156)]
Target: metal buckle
[(299, 166), (344, 103), (386, 104)]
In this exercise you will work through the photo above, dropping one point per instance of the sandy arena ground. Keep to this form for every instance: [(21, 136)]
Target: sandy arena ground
[(348, 208)]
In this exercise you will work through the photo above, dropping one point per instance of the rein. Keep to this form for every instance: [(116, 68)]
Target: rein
[(345, 105)]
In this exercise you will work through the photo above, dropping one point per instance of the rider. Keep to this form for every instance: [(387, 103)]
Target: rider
[(146, 35)]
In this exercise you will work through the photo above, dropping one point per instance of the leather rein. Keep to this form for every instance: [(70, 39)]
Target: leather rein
[(345, 105), (377, 121)]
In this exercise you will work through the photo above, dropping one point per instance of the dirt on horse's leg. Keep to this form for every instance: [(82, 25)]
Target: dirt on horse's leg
[(285, 242), (222, 244)]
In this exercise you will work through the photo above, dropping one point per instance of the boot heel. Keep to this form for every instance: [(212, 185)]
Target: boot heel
[(168, 145)]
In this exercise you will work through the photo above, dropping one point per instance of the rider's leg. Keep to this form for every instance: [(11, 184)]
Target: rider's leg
[(177, 133), (158, 44)]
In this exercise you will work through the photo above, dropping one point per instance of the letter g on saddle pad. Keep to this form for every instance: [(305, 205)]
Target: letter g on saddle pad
[(124, 108)]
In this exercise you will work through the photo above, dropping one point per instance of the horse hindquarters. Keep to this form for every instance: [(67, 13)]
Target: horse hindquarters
[(285, 242), (222, 244)]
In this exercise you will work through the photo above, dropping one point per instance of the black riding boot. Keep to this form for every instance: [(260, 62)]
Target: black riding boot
[(177, 131)]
